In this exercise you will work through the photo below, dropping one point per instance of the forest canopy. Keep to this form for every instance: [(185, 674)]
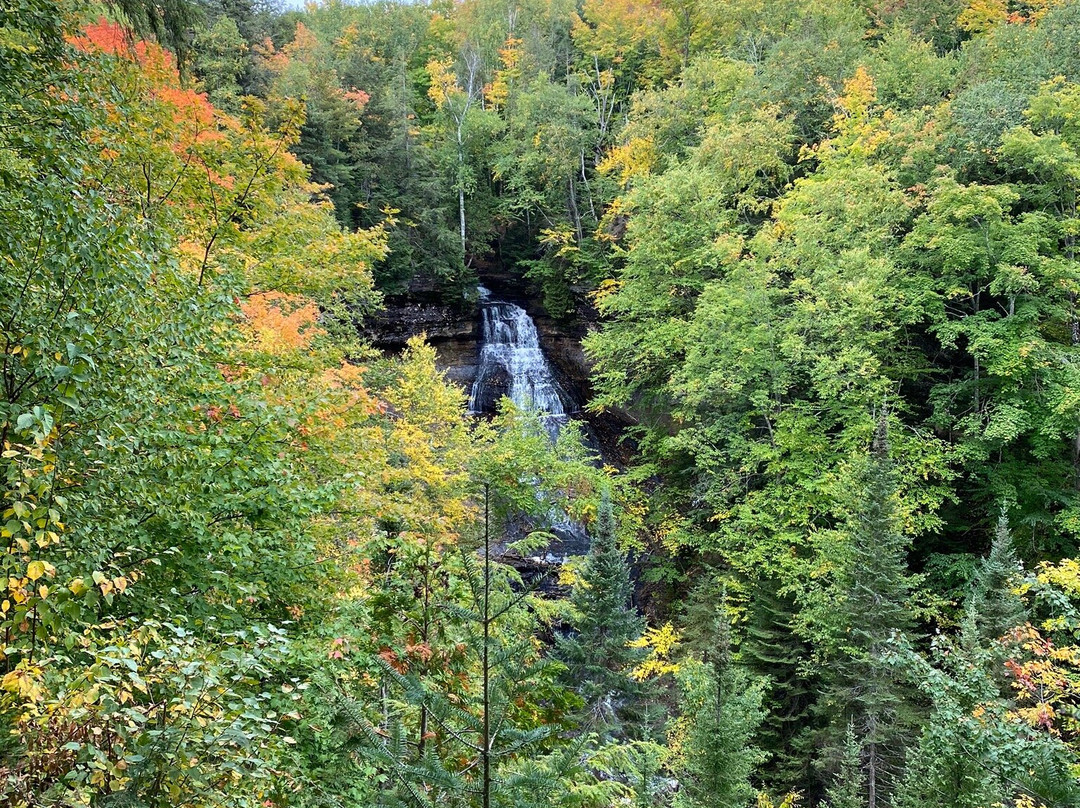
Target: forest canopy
[(825, 257)]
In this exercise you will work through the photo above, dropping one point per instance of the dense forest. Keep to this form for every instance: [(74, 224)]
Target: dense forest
[(825, 253)]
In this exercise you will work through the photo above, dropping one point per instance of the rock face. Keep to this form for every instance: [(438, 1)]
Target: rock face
[(456, 334), (496, 384), (458, 359), (561, 343), (453, 332)]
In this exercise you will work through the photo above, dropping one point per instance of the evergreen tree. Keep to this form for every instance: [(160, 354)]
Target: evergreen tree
[(485, 735), (219, 62), (771, 649), (701, 618), (721, 705), (597, 654), (847, 789), (949, 765), (868, 692), (168, 21), (972, 752), (994, 604)]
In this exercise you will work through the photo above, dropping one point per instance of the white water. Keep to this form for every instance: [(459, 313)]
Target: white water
[(511, 362)]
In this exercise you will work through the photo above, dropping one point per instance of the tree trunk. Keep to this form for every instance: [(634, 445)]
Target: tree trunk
[(871, 775), (461, 182), (575, 215), (461, 219), (486, 740)]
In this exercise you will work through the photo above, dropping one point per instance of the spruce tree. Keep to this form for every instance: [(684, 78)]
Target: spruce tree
[(972, 752), (168, 21), (952, 762), (481, 734), (995, 605), (849, 785), (700, 617), (597, 653), (720, 704), (771, 649), (868, 691)]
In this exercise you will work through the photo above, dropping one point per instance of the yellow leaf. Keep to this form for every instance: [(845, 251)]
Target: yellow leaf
[(661, 643), (34, 570), (10, 682)]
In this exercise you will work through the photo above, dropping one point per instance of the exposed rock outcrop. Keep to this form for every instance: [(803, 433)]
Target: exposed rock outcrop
[(453, 331)]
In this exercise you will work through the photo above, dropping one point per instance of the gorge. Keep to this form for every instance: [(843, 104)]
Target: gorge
[(503, 343)]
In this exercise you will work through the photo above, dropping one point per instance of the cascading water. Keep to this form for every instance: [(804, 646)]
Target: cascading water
[(512, 365)]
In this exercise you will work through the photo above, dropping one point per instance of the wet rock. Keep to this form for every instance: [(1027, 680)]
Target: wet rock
[(538, 573), (459, 360), (496, 381), (398, 322)]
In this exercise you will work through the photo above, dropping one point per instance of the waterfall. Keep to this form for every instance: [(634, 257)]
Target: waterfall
[(512, 365)]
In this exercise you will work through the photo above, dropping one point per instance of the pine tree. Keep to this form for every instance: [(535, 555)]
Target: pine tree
[(995, 605), (771, 649), (597, 654), (972, 752), (847, 788), (721, 705), (869, 692), (951, 764), (700, 617), (486, 736)]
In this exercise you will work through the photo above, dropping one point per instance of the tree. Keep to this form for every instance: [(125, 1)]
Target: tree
[(772, 648), (685, 227), (996, 606), (220, 59), (540, 166), (486, 735), (168, 21), (995, 286), (1045, 150), (456, 100), (908, 73), (719, 713), (849, 782), (819, 49), (166, 489), (597, 655), (972, 752), (331, 138), (867, 692)]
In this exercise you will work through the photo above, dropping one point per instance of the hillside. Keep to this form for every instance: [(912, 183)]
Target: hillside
[(328, 332)]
